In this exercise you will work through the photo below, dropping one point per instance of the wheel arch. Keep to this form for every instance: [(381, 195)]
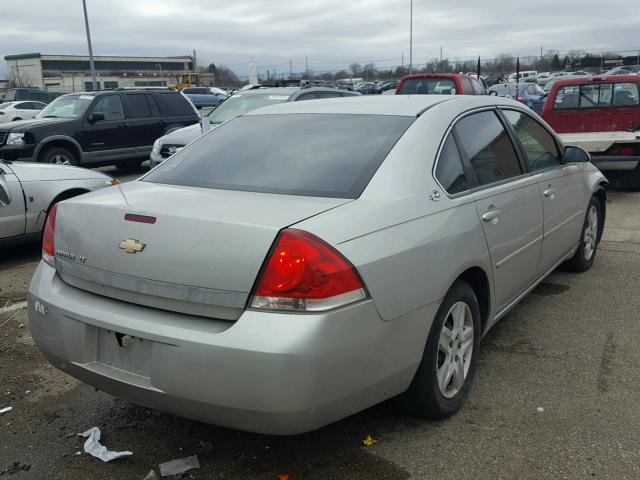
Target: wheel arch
[(66, 194), (601, 194), (479, 282), (59, 141)]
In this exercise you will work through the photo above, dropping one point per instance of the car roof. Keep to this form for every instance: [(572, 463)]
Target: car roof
[(581, 79), (435, 75), (397, 105)]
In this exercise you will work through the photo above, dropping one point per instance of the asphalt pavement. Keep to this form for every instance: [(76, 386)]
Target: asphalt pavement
[(555, 397)]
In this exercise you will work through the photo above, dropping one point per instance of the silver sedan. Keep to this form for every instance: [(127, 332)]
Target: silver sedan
[(305, 261), (29, 190)]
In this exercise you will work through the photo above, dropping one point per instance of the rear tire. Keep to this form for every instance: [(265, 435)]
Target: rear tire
[(583, 259), (58, 156), (450, 357)]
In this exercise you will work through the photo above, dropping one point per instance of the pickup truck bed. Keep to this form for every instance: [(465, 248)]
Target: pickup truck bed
[(598, 142)]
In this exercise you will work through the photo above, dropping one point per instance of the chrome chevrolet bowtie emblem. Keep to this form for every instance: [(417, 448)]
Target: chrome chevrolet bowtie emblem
[(131, 246)]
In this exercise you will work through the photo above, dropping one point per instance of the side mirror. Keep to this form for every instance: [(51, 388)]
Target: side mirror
[(575, 155), (96, 117)]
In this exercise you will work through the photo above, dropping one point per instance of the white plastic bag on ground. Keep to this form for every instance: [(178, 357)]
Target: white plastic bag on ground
[(180, 465), (93, 447)]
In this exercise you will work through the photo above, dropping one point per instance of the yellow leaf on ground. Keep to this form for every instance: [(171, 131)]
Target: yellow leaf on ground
[(367, 442)]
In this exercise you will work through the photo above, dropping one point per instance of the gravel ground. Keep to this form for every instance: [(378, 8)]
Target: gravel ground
[(570, 348)]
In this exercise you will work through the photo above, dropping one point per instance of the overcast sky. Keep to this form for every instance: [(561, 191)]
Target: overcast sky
[(331, 33)]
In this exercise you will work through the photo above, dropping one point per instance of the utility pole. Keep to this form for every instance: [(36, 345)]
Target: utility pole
[(290, 68), (411, 37), (402, 61), (306, 63), (440, 54), (540, 54), (91, 64)]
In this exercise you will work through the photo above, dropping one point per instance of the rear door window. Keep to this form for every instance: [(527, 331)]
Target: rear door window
[(325, 155), (449, 171), (24, 106), (488, 148)]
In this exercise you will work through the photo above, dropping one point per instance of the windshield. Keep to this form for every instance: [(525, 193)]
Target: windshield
[(428, 86), (68, 106), (241, 103), (318, 155)]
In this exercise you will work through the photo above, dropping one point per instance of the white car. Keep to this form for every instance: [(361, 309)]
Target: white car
[(13, 111)]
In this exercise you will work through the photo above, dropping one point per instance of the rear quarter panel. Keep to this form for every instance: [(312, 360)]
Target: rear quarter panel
[(408, 248)]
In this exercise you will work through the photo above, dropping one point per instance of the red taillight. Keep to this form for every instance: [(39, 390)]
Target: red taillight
[(626, 151), (48, 248), (132, 217), (305, 273)]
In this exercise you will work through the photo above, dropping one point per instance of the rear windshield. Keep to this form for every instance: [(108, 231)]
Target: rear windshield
[(317, 155), (241, 103), (428, 86), (4, 105)]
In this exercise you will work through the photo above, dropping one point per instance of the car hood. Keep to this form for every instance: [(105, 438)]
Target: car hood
[(31, 172), (182, 136), (24, 125)]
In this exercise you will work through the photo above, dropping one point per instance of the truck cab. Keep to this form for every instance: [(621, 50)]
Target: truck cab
[(600, 114)]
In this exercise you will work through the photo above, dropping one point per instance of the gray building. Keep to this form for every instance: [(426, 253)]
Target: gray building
[(71, 73)]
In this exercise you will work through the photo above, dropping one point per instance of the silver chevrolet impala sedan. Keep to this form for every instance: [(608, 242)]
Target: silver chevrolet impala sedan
[(305, 261)]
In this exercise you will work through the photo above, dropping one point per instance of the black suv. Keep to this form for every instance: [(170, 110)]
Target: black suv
[(97, 128)]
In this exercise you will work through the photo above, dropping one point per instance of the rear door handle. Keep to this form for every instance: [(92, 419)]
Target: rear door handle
[(491, 215), (550, 193)]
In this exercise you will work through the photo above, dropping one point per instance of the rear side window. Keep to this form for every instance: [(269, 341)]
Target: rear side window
[(428, 86), (478, 86), (466, 86), (322, 155), (138, 105), (449, 171), (486, 144), (598, 95), (625, 94), (176, 104)]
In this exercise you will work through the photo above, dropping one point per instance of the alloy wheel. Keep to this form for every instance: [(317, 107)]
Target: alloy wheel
[(591, 233), (455, 349), (60, 159)]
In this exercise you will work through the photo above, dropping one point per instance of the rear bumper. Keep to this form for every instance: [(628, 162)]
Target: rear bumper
[(267, 372)]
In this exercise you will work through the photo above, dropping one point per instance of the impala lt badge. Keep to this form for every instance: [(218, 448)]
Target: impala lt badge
[(131, 246)]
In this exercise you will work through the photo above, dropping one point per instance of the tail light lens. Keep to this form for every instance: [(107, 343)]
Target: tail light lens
[(304, 273), (48, 248)]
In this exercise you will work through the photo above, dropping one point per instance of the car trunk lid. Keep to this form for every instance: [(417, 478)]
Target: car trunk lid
[(200, 254)]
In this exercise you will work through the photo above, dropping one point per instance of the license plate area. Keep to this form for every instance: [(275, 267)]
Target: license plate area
[(124, 352)]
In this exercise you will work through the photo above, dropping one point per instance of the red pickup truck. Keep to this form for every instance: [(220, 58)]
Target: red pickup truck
[(439, 84), (600, 114)]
